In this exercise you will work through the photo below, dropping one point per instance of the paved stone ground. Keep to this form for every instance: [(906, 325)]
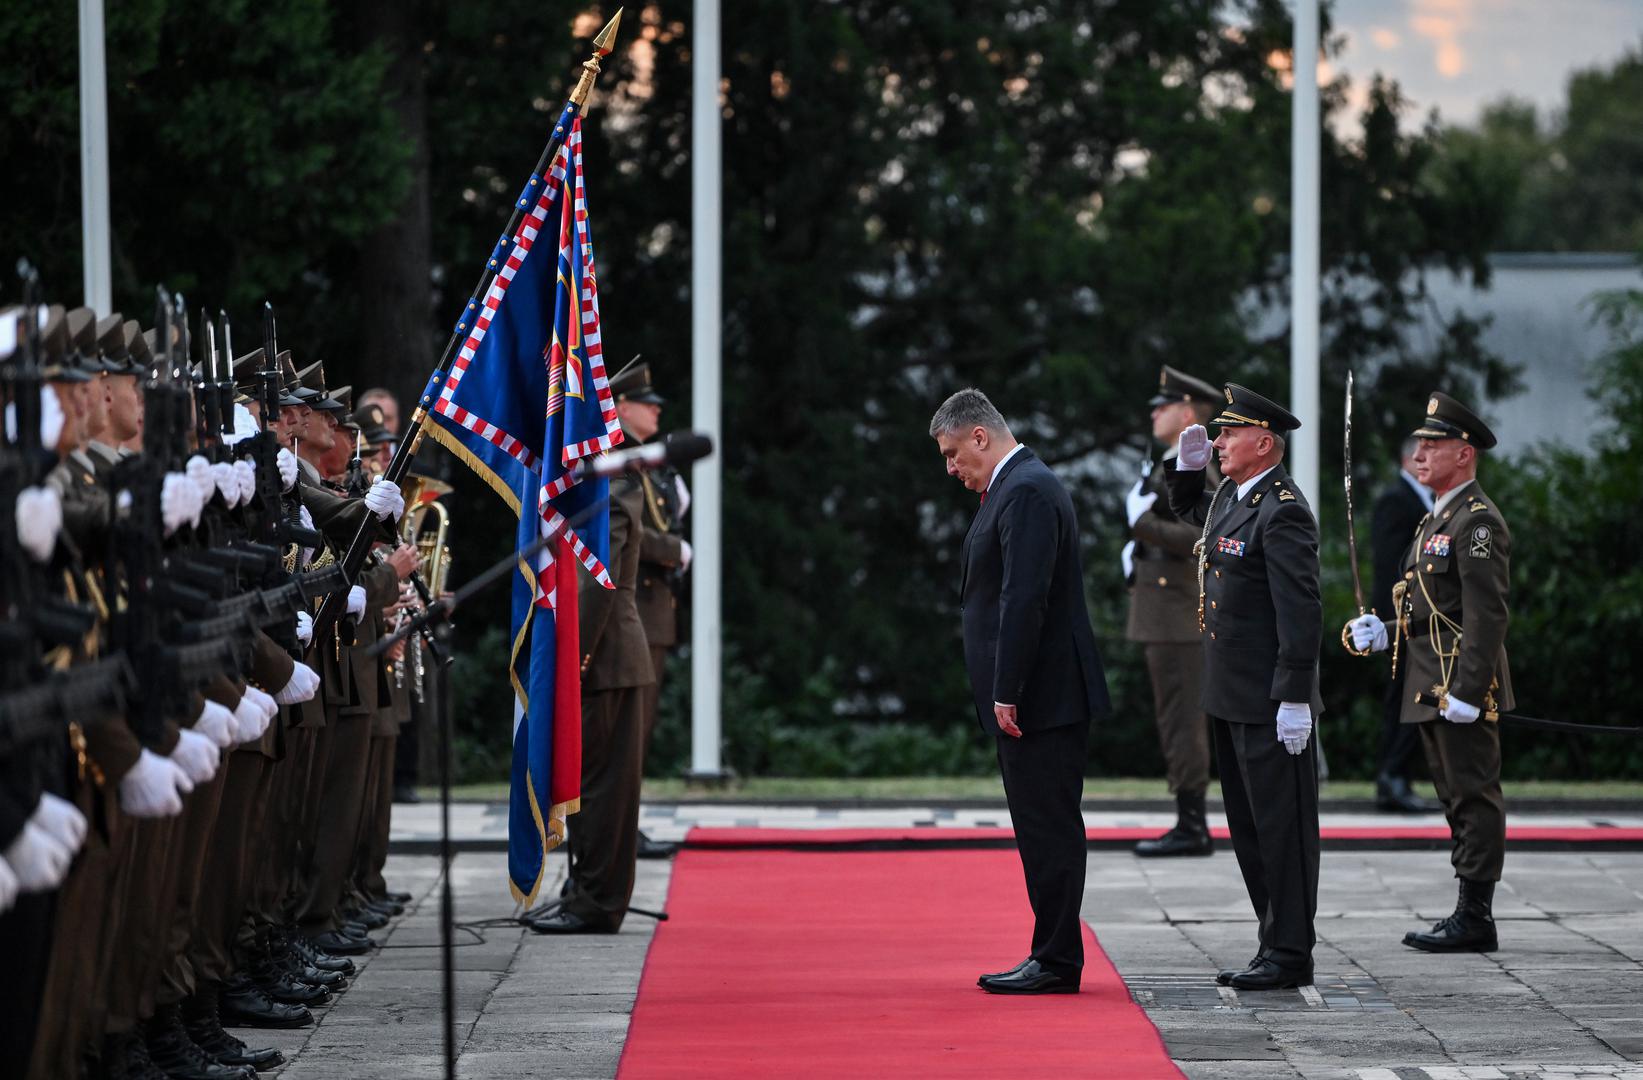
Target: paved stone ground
[(1562, 1000)]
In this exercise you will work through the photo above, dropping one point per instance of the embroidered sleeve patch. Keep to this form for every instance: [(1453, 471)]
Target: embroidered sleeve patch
[(1436, 544), (1483, 538), (1227, 546)]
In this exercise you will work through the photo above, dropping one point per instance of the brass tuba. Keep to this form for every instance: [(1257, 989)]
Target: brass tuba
[(426, 525)]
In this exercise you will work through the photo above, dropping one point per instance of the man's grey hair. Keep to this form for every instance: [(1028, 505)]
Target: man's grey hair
[(967, 409), (1279, 444)]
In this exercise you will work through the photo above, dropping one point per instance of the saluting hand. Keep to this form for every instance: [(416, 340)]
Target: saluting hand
[(1005, 715), (1192, 449)]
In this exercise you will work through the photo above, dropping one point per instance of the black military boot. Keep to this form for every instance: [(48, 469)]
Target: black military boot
[(204, 1025), (274, 980), (1470, 929), (318, 957), (1393, 795), (289, 959), (1190, 835), (244, 1004), (125, 1057), (176, 1055)]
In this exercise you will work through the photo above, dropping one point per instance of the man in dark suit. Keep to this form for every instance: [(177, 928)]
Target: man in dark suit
[(1034, 671), (1263, 623), (1400, 508)]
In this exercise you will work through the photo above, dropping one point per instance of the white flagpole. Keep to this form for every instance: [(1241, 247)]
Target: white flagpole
[(94, 222), (1303, 240)]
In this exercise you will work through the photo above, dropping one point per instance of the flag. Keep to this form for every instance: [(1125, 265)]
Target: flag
[(525, 398)]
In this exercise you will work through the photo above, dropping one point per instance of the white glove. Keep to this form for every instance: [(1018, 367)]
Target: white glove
[(683, 492), (248, 721), (51, 419), (266, 708), (222, 479), (305, 628), (199, 470), (1457, 711), (179, 502), (154, 787), (1192, 449), (307, 520), (245, 475), (356, 601), (1294, 725), (40, 861), (287, 462), (1368, 632), (304, 684), (39, 520), (197, 756), (1126, 559), (384, 499), (61, 820), (9, 885), (216, 723), (1138, 502), (686, 553)]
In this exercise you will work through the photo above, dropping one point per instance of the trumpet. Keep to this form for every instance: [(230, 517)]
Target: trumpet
[(426, 524)]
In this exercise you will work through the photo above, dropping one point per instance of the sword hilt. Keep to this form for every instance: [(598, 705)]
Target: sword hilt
[(1440, 701)]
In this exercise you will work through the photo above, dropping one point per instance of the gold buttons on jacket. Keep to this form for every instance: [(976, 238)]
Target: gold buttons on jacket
[(1217, 573), (1409, 575), (1428, 568), (1163, 581), (1214, 603), (1212, 635)]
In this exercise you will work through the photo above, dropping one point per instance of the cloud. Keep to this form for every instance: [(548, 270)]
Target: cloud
[(1442, 22), (1385, 37)]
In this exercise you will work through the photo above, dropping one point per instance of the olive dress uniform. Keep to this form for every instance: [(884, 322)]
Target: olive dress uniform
[(1263, 625)]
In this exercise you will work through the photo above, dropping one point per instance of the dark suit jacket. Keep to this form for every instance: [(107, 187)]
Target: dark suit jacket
[(1263, 617), (1027, 637), (1398, 513)]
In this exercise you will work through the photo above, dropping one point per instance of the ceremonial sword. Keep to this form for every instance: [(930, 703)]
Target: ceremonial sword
[(1351, 528), (1441, 702)]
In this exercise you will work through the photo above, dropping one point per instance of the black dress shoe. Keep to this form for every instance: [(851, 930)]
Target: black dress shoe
[(1224, 976), (656, 849), (398, 897), (1270, 975), (244, 1004), (369, 919), (1030, 978), (386, 907), (405, 793), (1393, 795), (564, 922), (1000, 974)]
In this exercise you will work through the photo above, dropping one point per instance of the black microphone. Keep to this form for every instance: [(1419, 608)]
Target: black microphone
[(678, 449)]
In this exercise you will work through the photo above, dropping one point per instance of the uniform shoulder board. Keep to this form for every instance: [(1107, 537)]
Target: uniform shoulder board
[(1477, 505), (1285, 495)]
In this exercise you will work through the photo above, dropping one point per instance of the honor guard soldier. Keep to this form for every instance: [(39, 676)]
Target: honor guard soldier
[(1451, 636), (1262, 622), (1162, 575)]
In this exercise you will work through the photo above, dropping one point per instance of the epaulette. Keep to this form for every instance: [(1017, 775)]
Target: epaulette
[(1285, 495), (1476, 505)]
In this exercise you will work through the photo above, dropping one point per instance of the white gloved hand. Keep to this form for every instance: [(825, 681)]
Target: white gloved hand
[(61, 819), (51, 419), (267, 708), (197, 469), (1368, 632), (248, 721), (1138, 502), (39, 859), (154, 787), (1294, 725), (245, 475), (1192, 449), (307, 520), (356, 602), (179, 502), (686, 553), (222, 478), (304, 684), (384, 499), (1126, 559), (197, 756), (9, 886), (216, 722), (39, 520), (683, 492), (305, 628), (287, 462), (1457, 711)]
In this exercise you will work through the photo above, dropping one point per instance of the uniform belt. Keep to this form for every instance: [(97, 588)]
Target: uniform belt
[(1417, 630)]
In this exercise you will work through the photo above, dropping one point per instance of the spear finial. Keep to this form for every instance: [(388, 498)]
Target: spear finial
[(603, 42)]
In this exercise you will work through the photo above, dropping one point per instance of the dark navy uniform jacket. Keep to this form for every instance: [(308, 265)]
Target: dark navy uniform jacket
[(1263, 617)]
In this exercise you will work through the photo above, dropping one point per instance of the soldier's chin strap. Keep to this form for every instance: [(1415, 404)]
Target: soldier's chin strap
[(1441, 702)]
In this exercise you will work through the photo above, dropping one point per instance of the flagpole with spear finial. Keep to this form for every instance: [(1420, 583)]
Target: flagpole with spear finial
[(603, 43)]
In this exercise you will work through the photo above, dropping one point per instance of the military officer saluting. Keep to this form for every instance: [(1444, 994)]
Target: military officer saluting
[(1451, 632), (1262, 621)]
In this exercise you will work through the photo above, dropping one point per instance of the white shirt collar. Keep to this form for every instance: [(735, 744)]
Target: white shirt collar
[(1245, 487), (1449, 496), (1421, 489), (997, 468)]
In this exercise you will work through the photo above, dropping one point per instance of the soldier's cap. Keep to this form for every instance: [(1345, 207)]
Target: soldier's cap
[(310, 382), (136, 345), (247, 376), (151, 339), (335, 401), (632, 383), (370, 420), (111, 342), (1447, 418), (1175, 385), (1245, 408), (289, 380), (55, 362), (82, 334)]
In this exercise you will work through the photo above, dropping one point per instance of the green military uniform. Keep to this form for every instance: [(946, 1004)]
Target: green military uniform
[(1163, 620), (1453, 615)]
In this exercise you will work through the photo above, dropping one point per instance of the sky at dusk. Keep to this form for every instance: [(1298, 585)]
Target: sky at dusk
[(1458, 55)]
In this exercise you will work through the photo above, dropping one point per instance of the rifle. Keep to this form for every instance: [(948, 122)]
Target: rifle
[(43, 711)]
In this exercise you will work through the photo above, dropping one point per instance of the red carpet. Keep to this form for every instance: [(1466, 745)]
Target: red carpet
[(863, 965), (970, 837)]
